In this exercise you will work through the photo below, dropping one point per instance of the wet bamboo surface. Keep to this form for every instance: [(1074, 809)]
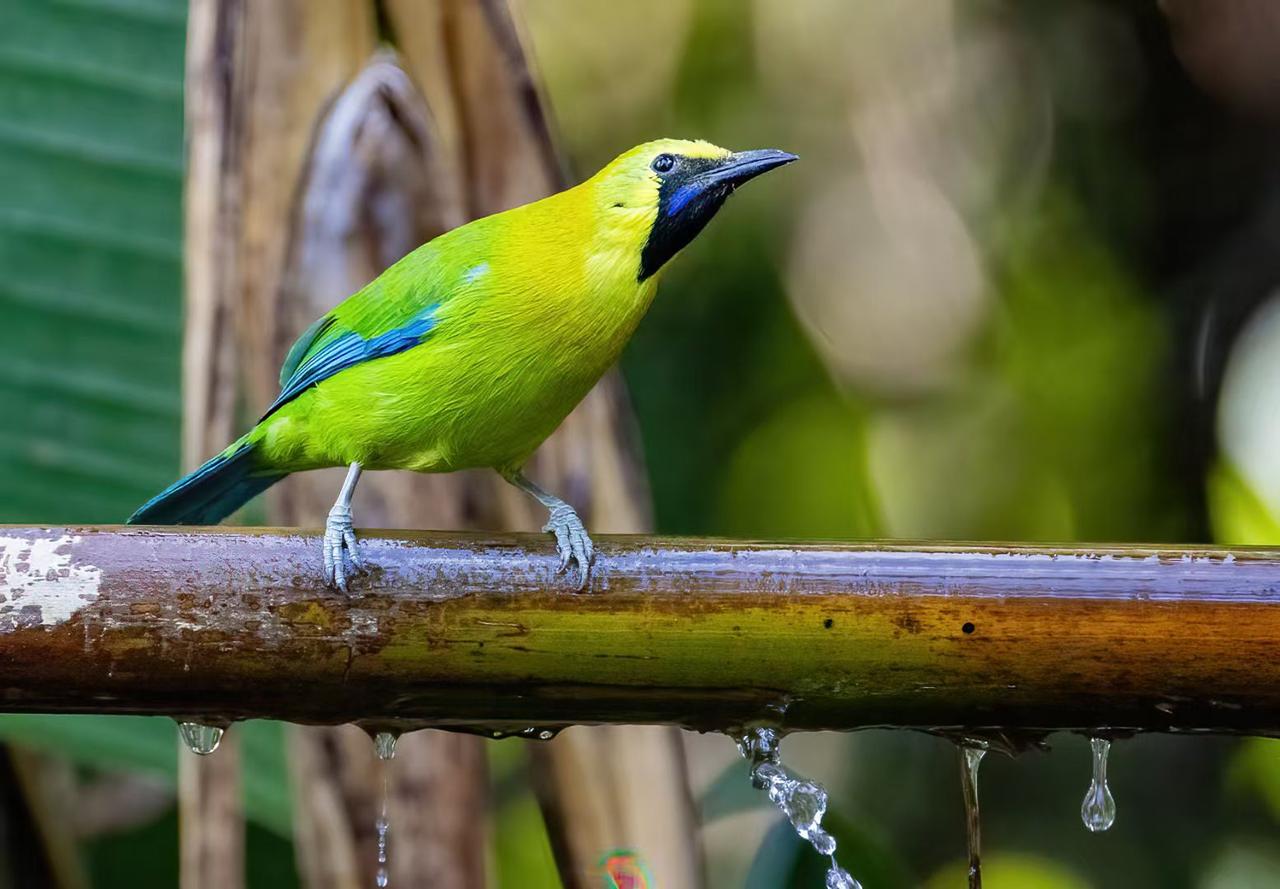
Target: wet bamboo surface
[(479, 633)]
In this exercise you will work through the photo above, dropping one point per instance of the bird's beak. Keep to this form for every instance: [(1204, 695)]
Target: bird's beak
[(743, 166)]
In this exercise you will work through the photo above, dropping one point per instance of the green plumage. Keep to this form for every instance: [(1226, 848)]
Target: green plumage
[(472, 349)]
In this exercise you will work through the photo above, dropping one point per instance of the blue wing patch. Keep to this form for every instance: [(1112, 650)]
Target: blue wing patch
[(346, 350)]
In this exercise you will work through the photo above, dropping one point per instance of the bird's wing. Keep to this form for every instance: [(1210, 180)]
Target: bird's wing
[(393, 313)]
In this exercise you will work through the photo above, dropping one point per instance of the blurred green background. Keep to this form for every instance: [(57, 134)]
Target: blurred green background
[(1021, 287)]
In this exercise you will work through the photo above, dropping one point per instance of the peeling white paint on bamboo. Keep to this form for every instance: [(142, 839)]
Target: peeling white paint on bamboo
[(39, 584)]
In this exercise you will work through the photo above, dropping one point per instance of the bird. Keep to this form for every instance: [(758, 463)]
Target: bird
[(471, 349)]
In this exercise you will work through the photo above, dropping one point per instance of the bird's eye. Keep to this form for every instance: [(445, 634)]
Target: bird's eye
[(663, 163)]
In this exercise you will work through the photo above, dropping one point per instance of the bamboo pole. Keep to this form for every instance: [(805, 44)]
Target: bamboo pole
[(478, 633)]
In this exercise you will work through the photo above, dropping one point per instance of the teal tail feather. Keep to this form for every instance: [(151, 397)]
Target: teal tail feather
[(212, 492)]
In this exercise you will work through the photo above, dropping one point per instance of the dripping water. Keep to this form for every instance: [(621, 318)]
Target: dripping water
[(383, 824), (200, 738), (803, 802), (1098, 811), (971, 753), (384, 745)]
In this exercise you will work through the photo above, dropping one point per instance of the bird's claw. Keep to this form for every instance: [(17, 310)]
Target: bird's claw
[(572, 542), (340, 547)]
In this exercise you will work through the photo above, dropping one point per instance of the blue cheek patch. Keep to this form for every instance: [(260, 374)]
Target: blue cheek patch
[(684, 194)]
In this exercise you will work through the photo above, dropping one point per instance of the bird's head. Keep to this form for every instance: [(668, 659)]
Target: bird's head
[(664, 192)]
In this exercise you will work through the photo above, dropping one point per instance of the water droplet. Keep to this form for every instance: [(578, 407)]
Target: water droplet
[(545, 734), (971, 753), (759, 746), (200, 738), (1098, 811), (384, 744), (838, 878), (824, 842), (805, 805)]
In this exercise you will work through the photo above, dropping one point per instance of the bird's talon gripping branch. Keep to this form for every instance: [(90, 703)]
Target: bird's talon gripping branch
[(572, 542), (340, 549), (571, 535)]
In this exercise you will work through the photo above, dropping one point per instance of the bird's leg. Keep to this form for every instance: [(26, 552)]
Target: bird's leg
[(571, 534), (340, 535)]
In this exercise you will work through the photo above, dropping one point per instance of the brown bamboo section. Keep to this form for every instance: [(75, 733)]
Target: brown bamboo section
[(479, 633)]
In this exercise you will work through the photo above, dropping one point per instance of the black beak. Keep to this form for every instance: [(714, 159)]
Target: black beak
[(743, 166)]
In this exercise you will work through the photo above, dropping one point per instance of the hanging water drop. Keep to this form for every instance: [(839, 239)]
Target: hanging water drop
[(971, 753), (545, 734), (803, 802), (200, 738), (1098, 811), (759, 746), (384, 744)]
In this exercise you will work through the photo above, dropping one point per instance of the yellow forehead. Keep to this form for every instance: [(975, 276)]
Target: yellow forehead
[(638, 158), (687, 148)]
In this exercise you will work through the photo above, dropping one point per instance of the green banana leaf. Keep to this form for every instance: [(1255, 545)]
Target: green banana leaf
[(91, 129)]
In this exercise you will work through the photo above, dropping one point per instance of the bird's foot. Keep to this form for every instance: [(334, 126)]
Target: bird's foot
[(340, 547), (572, 541)]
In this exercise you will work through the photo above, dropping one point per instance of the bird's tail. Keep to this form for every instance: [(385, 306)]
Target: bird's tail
[(212, 492)]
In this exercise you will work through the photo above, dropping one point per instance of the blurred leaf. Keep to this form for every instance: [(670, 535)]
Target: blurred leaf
[(522, 850), (91, 247), (1236, 513), (1255, 770), (147, 857), (143, 858), (1010, 871), (91, 163), (1079, 345), (801, 473), (775, 858), (268, 799), (730, 793), (150, 744), (521, 847), (144, 743), (1243, 867), (978, 448)]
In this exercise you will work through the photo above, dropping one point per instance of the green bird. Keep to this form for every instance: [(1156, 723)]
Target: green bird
[(471, 350)]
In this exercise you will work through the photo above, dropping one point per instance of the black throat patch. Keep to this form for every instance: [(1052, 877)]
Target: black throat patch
[(686, 202)]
